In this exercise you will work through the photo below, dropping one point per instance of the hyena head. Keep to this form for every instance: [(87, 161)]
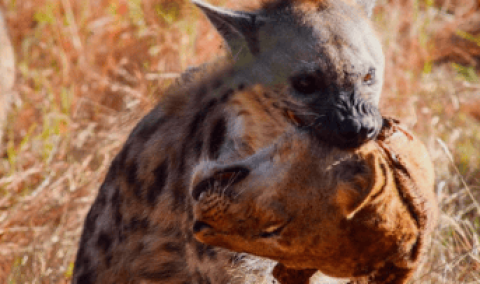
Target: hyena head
[(322, 56)]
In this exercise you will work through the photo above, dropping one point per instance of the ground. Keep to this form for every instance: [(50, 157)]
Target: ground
[(87, 71)]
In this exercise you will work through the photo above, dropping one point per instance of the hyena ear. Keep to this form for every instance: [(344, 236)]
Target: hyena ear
[(238, 28), (358, 182), (367, 5)]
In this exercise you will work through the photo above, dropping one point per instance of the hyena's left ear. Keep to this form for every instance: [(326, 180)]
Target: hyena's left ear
[(238, 28), (367, 5)]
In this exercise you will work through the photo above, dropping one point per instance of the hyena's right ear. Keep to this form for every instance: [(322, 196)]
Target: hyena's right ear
[(238, 28)]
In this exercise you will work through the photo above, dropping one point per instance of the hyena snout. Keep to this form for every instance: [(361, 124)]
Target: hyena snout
[(355, 125)]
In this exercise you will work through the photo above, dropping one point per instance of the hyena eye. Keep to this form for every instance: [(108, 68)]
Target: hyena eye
[(370, 77), (304, 83)]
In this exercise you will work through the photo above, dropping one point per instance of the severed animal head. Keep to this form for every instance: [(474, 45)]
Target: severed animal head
[(348, 213)]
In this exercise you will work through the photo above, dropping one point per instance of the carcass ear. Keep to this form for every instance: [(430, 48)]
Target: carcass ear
[(367, 6), (358, 181), (238, 28)]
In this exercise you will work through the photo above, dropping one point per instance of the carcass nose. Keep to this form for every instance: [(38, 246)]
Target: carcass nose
[(213, 177)]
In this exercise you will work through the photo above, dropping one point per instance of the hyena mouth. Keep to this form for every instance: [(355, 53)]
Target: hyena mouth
[(347, 134), (337, 131)]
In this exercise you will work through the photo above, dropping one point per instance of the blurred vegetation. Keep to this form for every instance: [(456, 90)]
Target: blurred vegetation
[(88, 70)]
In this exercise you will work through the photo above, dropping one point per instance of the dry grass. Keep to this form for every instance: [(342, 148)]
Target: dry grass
[(88, 70)]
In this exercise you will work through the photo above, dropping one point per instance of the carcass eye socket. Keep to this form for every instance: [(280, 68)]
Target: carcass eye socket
[(370, 77), (305, 83)]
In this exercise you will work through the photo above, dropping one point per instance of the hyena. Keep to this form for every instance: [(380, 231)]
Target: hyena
[(309, 64)]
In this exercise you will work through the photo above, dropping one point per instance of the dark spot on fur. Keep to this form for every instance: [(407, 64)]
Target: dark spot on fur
[(108, 259), (174, 247), (163, 272), (195, 134), (217, 83), (140, 247), (217, 137), (204, 280), (226, 96), (104, 241), (161, 176), (276, 105), (86, 278), (179, 195), (198, 144), (203, 249), (116, 207), (181, 164), (203, 113), (137, 224), (171, 232), (241, 87), (81, 260), (202, 91), (195, 129), (148, 126), (133, 180)]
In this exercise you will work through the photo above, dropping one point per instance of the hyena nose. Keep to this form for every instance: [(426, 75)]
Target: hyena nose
[(356, 131)]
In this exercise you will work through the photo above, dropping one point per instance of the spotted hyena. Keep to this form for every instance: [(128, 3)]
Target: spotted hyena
[(312, 65)]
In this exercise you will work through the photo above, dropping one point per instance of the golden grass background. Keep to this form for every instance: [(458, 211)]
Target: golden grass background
[(87, 71)]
